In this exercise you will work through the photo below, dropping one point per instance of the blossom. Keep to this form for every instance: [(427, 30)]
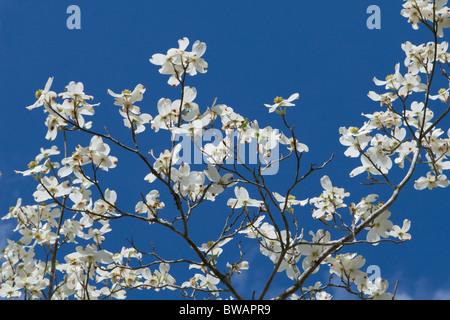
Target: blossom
[(443, 95), (214, 248), (53, 123), (49, 188), (243, 199), (190, 183), (43, 95), (9, 291), (401, 233), (380, 227), (355, 139), (312, 252), (393, 81), (330, 200), (377, 289), (280, 102), (74, 91), (219, 182), (80, 199), (289, 202), (431, 181), (163, 163), (293, 143), (167, 115), (195, 60), (194, 129), (136, 121), (89, 255), (189, 108), (385, 99), (127, 98), (150, 205), (206, 282), (99, 152), (347, 266), (177, 61), (237, 267)]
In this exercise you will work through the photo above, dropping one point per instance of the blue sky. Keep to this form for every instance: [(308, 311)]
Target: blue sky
[(257, 50)]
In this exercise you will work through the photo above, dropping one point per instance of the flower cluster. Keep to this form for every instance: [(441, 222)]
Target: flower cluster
[(421, 11), (61, 250), (177, 61), (72, 109), (406, 125)]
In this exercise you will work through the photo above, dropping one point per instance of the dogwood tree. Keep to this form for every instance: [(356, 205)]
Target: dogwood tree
[(61, 250)]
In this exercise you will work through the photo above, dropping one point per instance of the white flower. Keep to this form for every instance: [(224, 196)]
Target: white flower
[(74, 91), (401, 233), (9, 291), (293, 143), (313, 252), (195, 60), (289, 202), (51, 188), (443, 95), (127, 98), (99, 152), (377, 289), (43, 95), (243, 199), (380, 227), (347, 266), (168, 115), (431, 181), (214, 248), (355, 139), (330, 200), (177, 61), (280, 102)]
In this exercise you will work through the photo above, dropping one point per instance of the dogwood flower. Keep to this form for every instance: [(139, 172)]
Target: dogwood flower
[(195, 60), (213, 248), (443, 95), (355, 139), (243, 199), (431, 181), (163, 163), (205, 282), (99, 152), (127, 98), (51, 188), (377, 289), (401, 233), (283, 203), (178, 60), (237, 267), (330, 200), (380, 228), (280, 103), (347, 266), (151, 204), (189, 108), (74, 91), (53, 123), (43, 95), (7, 290), (168, 115), (312, 252)]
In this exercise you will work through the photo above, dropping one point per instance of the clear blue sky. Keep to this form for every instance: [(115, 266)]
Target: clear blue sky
[(257, 50)]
